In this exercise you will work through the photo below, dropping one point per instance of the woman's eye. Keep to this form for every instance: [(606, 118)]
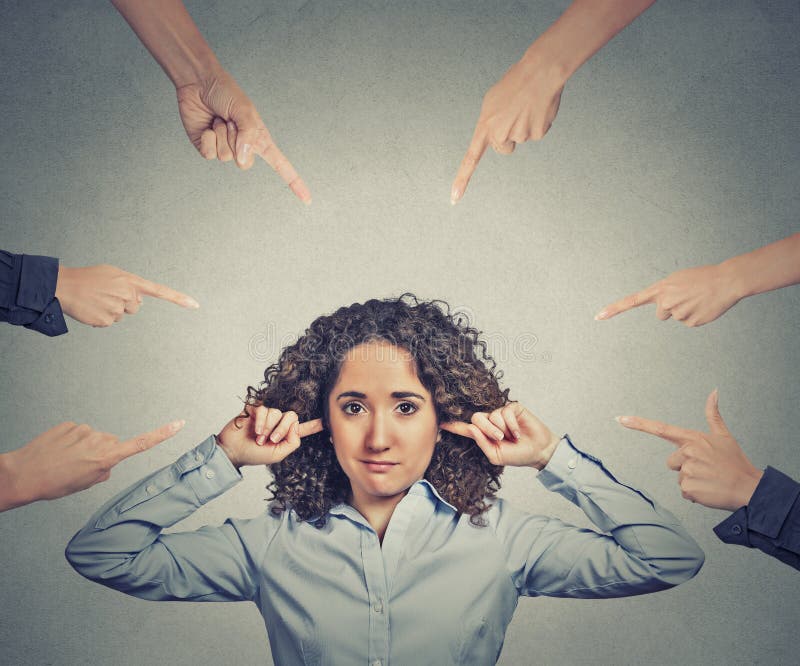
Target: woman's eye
[(407, 407), (352, 408)]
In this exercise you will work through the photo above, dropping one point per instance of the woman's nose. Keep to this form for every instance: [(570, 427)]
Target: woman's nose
[(377, 436)]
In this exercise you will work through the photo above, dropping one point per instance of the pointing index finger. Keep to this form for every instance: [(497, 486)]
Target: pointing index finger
[(165, 293), (310, 427), (477, 147), (671, 433), (146, 441), (628, 303), (266, 148), (458, 428)]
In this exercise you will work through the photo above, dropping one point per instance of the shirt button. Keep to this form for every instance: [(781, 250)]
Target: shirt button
[(150, 489), (572, 463), (378, 606), (377, 662), (48, 318), (736, 529), (198, 456), (210, 474)]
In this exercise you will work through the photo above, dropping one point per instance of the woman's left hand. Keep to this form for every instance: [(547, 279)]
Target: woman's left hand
[(510, 435)]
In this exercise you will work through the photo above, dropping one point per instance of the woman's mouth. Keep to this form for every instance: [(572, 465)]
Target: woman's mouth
[(379, 466)]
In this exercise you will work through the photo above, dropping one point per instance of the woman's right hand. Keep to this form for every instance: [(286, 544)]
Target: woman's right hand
[(265, 436)]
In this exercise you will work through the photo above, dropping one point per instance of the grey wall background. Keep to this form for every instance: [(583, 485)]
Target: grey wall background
[(676, 146)]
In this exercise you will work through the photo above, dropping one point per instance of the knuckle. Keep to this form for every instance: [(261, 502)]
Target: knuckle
[(84, 429)]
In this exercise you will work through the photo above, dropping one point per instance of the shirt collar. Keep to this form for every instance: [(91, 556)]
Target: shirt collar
[(422, 488)]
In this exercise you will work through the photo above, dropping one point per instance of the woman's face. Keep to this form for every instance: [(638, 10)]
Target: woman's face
[(383, 422)]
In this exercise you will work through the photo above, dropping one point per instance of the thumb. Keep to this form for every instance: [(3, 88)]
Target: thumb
[(715, 422), (250, 133)]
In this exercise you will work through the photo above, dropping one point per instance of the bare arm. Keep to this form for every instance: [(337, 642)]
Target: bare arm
[(523, 104), (171, 36), (770, 267)]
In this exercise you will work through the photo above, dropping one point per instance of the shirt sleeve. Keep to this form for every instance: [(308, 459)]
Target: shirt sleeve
[(122, 545), (771, 521), (27, 293), (642, 547)]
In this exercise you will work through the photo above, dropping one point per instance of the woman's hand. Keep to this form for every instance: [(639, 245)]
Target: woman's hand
[(265, 437), (510, 435)]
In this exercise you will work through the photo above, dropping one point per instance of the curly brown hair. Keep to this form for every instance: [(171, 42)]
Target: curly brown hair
[(451, 362)]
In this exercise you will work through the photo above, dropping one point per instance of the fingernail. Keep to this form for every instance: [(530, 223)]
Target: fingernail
[(260, 440), (189, 302), (275, 437), (716, 397), (498, 435), (624, 420), (231, 126), (177, 425), (601, 315), (244, 151), (517, 434), (455, 195)]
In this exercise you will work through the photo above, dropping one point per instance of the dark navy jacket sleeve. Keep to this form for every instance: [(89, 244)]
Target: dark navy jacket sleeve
[(771, 522), (28, 293)]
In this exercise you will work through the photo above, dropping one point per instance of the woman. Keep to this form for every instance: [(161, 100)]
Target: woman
[(385, 543)]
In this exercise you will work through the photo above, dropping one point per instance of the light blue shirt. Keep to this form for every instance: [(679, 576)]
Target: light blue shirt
[(437, 591)]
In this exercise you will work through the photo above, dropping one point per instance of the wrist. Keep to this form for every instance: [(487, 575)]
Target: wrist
[(10, 490), (734, 277), (547, 453), (195, 70), (748, 487), (65, 287), (228, 453), (546, 64)]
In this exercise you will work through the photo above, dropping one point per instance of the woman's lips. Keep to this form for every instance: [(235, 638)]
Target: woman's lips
[(378, 466)]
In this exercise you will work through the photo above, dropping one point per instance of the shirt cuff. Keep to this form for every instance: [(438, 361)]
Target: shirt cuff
[(51, 322), (733, 529), (771, 502), (37, 282), (570, 470), (172, 493)]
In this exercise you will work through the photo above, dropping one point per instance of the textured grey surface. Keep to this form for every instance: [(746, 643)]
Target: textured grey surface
[(676, 146)]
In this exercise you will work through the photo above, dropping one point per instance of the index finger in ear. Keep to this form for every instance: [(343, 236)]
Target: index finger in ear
[(477, 147), (146, 441), (310, 427), (457, 428), (671, 433), (165, 293), (628, 303)]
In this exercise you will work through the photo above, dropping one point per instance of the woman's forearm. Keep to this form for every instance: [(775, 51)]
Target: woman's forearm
[(770, 267), (581, 31), (169, 33)]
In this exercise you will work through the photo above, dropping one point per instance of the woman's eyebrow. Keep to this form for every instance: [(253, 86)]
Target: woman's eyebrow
[(407, 394), (395, 394), (352, 394)]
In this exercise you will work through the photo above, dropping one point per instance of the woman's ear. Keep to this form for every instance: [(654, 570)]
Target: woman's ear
[(438, 436)]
